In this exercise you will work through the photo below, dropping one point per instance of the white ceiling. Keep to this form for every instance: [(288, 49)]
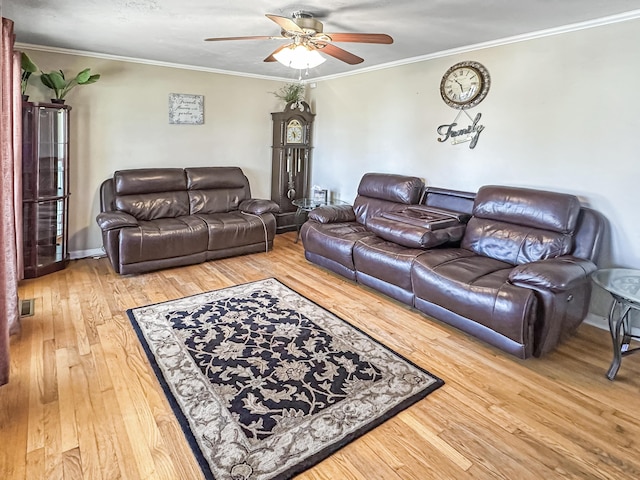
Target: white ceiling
[(172, 31)]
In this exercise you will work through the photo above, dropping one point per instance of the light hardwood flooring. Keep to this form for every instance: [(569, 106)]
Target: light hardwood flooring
[(83, 402)]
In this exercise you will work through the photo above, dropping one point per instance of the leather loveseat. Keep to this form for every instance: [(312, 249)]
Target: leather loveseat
[(166, 217), (508, 265)]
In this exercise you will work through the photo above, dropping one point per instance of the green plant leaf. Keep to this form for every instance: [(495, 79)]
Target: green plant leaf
[(91, 79), (57, 78), (46, 81), (26, 64), (83, 76)]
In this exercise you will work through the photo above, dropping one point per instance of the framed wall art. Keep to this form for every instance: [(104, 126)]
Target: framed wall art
[(185, 109)]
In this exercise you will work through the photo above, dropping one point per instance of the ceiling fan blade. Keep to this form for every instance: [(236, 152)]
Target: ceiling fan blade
[(361, 37), (338, 53), (285, 23), (257, 37), (271, 57)]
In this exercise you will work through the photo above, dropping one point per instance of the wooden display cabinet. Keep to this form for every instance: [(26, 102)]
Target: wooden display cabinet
[(45, 187)]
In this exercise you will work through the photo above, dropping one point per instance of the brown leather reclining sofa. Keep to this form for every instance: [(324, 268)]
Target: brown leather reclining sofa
[(510, 266), (166, 217)]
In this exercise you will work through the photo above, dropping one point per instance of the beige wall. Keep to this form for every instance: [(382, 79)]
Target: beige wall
[(122, 122), (561, 114)]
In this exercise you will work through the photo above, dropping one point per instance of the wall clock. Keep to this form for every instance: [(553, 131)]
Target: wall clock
[(465, 85)]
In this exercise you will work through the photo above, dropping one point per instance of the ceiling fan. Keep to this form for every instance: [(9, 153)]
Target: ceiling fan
[(304, 30)]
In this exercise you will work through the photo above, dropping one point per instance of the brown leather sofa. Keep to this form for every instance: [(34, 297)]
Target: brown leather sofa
[(510, 266), (166, 217)]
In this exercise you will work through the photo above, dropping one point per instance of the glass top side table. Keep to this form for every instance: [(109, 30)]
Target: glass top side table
[(624, 286), (308, 204)]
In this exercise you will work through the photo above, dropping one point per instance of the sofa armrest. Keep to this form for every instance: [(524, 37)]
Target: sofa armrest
[(258, 206), (114, 220), (333, 214), (555, 274)]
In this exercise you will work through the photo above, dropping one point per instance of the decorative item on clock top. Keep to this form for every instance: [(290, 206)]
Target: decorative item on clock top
[(465, 85), (290, 161)]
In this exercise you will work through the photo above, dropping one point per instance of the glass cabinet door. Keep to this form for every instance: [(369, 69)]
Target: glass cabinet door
[(52, 152)]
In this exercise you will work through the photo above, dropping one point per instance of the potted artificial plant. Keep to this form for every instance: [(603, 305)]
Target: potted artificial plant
[(27, 68), (291, 93), (61, 86)]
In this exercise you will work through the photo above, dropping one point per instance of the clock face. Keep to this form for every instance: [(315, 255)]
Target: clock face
[(294, 132), (465, 85)]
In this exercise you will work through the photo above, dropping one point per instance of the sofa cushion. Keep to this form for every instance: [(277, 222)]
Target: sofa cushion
[(384, 260), (513, 244), (153, 206), (235, 229), (333, 214), (476, 287), (214, 178), (517, 225), (151, 193), (259, 206), (162, 238), (556, 212), (334, 241), (216, 189), (149, 180), (380, 192), (393, 188), (215, 201)]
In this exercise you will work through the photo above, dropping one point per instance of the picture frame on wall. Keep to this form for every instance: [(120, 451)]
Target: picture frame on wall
[(186, 109)]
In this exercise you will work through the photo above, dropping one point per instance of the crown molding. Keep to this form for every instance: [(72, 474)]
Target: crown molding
[(574, 27), (143, 61), (599, 22)]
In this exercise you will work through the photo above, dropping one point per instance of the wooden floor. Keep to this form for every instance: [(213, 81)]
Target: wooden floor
[(83, 402)]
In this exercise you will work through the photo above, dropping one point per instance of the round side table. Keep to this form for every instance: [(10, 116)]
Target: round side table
[(624, 286)]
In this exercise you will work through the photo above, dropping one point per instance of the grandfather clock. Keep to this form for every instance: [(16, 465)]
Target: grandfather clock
[(290, 161)]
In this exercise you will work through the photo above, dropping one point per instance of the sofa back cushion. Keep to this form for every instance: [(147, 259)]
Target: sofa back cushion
[(518, 225), (151, 193), (216, 189), (383, 192)]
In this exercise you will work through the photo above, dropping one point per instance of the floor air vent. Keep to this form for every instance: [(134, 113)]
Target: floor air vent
[(27, 307)]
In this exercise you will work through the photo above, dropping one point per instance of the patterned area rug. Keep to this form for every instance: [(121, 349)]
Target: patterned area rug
[(266, 383)]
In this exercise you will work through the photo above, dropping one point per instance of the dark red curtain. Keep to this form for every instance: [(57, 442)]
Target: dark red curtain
[(10, 193)]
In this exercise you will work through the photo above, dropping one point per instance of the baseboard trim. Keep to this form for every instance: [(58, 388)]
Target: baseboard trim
[(603, 323), (94, 252), (597, 321)]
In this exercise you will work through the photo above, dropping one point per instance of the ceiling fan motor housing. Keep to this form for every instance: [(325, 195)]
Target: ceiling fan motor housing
[(307, 23)]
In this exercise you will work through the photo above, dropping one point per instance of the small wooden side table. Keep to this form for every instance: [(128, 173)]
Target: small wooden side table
[(624, 286)]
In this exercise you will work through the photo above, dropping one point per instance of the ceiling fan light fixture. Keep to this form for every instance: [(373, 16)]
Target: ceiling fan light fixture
[(299, 57)]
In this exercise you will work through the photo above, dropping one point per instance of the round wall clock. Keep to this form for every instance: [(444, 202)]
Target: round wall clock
[(465, 85)]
